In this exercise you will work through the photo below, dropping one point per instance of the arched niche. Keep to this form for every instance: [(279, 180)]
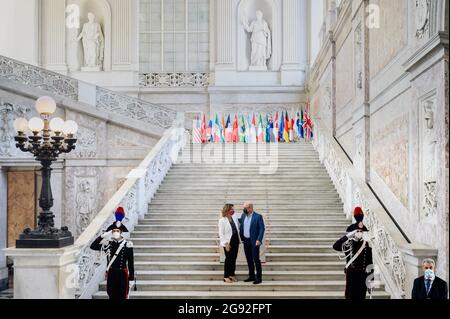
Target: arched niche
[(272, 14), (102, 11)]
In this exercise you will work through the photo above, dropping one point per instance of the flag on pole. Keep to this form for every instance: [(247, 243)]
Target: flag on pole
[(242, 130), (260, 137), (235, 134), (216, 130), (196, 134), (203, 129), (291, 130), (280, 138), (276, 129), (252, 137), (228, 130), (286, 128), (209, 136), (307, 126)]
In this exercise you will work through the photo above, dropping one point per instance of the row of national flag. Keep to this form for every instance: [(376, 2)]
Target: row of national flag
[(253, 128)]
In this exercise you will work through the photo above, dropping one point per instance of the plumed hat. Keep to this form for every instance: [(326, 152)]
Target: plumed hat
[(358, 214), (119, 215)]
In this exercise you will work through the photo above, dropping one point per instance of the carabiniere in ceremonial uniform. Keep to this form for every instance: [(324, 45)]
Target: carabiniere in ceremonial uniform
[(358, 255), (120, 258)]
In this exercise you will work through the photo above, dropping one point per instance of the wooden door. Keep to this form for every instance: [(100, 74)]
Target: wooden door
[(21, 203)]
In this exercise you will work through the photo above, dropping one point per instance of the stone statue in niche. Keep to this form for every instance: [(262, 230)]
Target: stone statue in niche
[(429, 159), (261, 41), (93, 44)]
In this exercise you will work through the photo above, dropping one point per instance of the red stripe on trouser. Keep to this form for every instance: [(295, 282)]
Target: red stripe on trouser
[(128, 283)]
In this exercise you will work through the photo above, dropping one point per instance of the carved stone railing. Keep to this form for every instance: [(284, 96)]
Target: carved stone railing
[(175, 79), (40, 78), (99, 98), (385, 238), (134, 195)]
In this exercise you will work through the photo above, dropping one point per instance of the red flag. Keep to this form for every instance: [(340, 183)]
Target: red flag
[(235, 137), (203, 129)]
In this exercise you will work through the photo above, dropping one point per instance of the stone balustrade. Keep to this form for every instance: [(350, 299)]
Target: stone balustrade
[(76, 271), (101, 99), (391, 250)]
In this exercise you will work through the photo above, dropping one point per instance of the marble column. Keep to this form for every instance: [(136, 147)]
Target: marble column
[(3, 228), (295, 42), (53, 35), (224, 27)]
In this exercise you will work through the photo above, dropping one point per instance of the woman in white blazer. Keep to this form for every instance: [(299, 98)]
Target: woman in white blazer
[(229, 240)]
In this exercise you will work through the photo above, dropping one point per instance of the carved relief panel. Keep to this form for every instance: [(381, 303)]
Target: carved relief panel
[(428, 158), (422, 10), (82, 197), (8, 113)]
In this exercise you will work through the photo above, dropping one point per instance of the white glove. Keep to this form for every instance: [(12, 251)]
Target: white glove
[(107, 234), (351, 234)]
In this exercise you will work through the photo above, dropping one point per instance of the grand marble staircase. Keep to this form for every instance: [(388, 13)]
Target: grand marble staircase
[(176, 246)]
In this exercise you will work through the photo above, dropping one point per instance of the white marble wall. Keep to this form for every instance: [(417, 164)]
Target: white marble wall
[(386, 81)]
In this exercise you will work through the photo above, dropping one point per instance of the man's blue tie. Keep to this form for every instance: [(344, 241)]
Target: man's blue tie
[(428, 285)]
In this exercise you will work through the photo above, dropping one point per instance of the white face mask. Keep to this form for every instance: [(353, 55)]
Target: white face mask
[(429, 274), (359, 235), (116, 235)]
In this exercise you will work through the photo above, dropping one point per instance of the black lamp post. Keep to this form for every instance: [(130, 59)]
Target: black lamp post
[(48, 140)]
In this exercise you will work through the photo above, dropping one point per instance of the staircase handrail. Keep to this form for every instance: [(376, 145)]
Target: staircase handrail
[(102, 99), (134, 195), (385, 238)]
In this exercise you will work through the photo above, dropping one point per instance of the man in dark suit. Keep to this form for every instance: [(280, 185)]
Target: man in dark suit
[(429, 286), (251, 226)]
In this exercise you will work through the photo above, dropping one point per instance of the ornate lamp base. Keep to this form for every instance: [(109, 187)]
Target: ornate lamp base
[(54, 238)]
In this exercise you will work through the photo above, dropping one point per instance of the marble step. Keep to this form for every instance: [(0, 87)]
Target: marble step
[(217, 266), (238, 295), (214, 240), (213, 234), (215, 248), (204, 285), (217, 275), (288, 214), (273, 226), (270, 218)]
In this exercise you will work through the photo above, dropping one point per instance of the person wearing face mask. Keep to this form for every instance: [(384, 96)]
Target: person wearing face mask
[(229, 240), (252, 233), (120, 258), (359, 266), (429, 286)]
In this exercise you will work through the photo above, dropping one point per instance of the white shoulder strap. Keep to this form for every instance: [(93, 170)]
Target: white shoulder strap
[(356, 255), (115, 255)]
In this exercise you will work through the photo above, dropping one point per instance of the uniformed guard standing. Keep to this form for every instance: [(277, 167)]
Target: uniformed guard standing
[(359, 267), (120, 258)]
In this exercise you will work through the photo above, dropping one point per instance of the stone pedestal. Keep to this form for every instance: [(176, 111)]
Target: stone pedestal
[(44, 273), (90, 69), (257, 68), (413, 255)]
